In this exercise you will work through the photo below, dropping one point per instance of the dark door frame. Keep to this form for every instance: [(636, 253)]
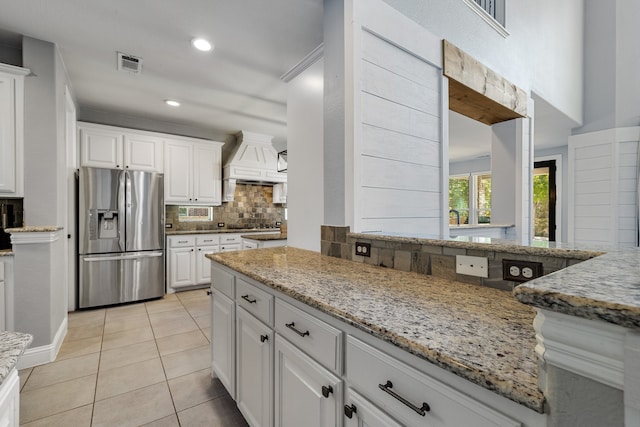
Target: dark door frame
[(551, 164)]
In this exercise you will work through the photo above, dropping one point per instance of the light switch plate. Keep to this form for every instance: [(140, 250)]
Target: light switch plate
[(472, 265)]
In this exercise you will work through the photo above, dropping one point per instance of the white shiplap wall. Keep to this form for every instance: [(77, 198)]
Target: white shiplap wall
[(398, 96), (603, 187)]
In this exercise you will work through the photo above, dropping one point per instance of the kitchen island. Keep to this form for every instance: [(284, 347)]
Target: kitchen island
[(476, 340)]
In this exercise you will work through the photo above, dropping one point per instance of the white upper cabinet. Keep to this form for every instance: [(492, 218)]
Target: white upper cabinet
[(119, 148), (192, 172), (11, 130)]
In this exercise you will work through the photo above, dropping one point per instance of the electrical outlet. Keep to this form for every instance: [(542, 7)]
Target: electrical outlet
[(168, 225), (521, 271), (363, 249), (278, 223), (472, 265), (220, 224)]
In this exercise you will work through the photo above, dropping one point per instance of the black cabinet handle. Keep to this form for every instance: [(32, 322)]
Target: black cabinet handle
[(327, 390), (292, 326), (349, 410), (208, 292), (249, 300), (264, 338), (420, 410)]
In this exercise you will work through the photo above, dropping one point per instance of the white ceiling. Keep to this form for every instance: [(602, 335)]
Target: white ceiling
[(235, 87)]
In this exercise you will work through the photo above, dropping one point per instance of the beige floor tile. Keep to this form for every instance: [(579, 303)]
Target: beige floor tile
[(135, 408), (123, 356), (81, 332), (198, 307), (54, 399), (79, 417), (124, 338), (79, 348), (86, 318), (207, 333), (193, 294), (125, 310), (172, 327), (168, 316), (163, 305), (181, 342), (203, 321), (186, 362), (63, 370), (170, 421), (194, 389), (168, 297), (128, 378), (126, 323), (220, 412), (23, 375)]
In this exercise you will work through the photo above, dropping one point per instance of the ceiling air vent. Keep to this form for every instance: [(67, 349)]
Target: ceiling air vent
[(129, 63)]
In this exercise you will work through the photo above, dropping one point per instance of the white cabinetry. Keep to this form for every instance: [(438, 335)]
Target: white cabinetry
[(11, 130), (359, 412), (230, 242), (3, 325), (192, 172), (10, 400), (188, 265), (119, 148), (223, 328), (306, 393)]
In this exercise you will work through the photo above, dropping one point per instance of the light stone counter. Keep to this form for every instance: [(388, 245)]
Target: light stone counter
[(481, 334), (6, 252), (221, 230), (605, 288), (265, 237), (34, 229), (12, 345)]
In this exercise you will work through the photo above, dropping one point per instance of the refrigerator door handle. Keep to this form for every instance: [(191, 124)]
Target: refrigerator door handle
[(122, 257), (122, 186)]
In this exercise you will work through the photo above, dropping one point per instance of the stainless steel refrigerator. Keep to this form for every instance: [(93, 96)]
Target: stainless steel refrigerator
[(121, 236)]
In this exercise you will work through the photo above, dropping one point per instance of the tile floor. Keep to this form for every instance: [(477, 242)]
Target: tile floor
[(145, 364)]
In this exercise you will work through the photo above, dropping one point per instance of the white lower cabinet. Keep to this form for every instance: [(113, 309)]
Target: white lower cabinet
[(254, 369), (359, 412), (291, 368), (306, 394), (10, 400), (223, 352), (182, 265)]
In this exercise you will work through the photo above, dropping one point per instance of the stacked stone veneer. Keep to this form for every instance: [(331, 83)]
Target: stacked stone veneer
[(437, 257), (253, 205)]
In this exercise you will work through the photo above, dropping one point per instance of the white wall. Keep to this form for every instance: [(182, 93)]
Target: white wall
[(543, 52), (305, 174), (481, 164)]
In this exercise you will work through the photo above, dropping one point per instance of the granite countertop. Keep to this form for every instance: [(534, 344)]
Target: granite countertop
[(481, 334), (6, 252), (263, 237), (34, 229), (221, 230), (12, 345), (533, 247), (604, 288)]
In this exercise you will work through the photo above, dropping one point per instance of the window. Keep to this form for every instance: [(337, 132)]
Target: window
[(470, 199), (195, 213), (492, 12)]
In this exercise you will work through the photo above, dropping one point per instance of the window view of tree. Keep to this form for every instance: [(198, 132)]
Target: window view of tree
[(541, 205), (483, 202), (459, 199)]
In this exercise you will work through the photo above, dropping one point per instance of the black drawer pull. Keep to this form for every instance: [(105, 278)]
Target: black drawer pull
[(292, 326), (349, 410), (208, 292), (326, 391), (249, 300), (264, 338), (420, 410)]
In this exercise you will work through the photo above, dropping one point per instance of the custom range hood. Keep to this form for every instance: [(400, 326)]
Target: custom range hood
[(252, 161)]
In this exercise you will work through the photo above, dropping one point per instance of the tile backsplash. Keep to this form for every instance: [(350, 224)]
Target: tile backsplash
[(253, 205)]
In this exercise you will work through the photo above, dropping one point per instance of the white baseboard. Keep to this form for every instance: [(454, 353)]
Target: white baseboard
[(45, 353)]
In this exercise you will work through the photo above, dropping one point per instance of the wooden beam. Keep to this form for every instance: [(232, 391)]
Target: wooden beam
[(478, 92)]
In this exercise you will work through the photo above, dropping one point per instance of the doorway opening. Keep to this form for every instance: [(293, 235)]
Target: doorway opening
[(544, 200)]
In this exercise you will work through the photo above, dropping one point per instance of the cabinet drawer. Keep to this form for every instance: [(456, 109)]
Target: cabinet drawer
[(181, 241), (222, 281), (313, 336), (255, 301), (207, 240), (387, 382), (230, 239), (227, 247)]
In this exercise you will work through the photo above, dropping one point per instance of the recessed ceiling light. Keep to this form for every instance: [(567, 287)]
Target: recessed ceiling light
[(172, 102), (202, 44)]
